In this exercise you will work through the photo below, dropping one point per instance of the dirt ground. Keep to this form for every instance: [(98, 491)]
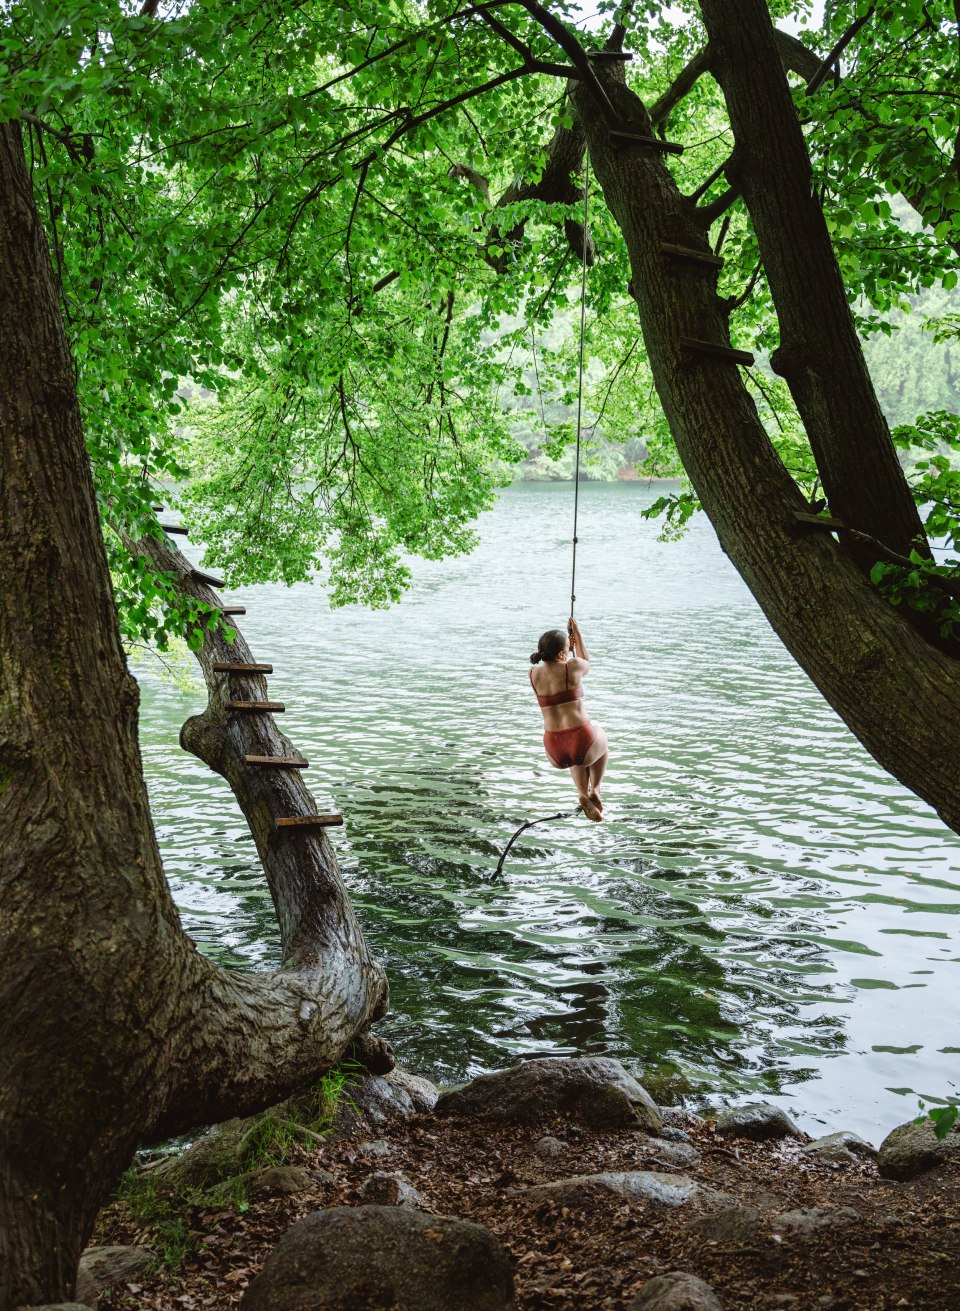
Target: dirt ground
[(594, 1252)]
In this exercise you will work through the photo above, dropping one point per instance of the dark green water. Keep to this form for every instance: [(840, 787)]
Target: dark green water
[(763, 910)]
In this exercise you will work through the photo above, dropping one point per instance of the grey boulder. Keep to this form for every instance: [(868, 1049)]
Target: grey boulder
[(383, 1256), (592, 1090), (375, 1101), (913, 1148), (102, 1267), (758, 1121), (841, 1148), (677, 1291)]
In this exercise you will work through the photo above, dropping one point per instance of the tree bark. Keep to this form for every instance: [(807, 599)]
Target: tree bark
[(114, 1028), (819, 354), (899, 695)]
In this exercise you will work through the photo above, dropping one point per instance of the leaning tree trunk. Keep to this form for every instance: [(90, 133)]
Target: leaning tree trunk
[(899, 695), (114, 1029), (819, 355)]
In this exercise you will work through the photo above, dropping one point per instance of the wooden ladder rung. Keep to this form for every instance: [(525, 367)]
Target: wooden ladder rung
[(654, 143), (233, 609), (175, 529), (687, 252), (257, 707), (819, 520), (278, 762), (239, 667), (610, 54), (211, 580), (310, 821), (158, 508), (716, 351)]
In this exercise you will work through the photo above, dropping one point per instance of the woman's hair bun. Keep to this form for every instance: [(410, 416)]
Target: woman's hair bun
[(536, 658)]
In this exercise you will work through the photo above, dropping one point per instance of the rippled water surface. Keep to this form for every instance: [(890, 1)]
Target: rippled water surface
[(763, 911)]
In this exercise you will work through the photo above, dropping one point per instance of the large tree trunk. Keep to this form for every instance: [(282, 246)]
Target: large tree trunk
[(898, 694), (114, 1029)]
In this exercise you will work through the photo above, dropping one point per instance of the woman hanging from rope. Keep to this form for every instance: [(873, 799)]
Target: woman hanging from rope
[(570, 740)]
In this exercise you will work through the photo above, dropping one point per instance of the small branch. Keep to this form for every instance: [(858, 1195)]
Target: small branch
[(823, 72), (571, 47), (710, 213), (735, 302), (681, 86), (705, 186)]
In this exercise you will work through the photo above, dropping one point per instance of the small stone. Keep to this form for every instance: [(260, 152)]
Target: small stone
[(675, 1154), (678, 1117), (383, 1189), (673, 1135), (351, 1256), (677, 1291), (730, 1224), (664, 1189), (803, 1222), (758, 1121), (825, 1300), (549, 1146), (375, 1148), (782, 1299), (277, 1181)]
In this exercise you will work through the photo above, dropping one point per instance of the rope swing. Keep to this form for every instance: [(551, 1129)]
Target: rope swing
[(569, 814), (583, 333)]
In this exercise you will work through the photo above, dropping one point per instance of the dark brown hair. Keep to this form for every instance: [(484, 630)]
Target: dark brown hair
[(550, 645)]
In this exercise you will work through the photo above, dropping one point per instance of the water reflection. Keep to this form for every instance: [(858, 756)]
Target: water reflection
[(763, 907)]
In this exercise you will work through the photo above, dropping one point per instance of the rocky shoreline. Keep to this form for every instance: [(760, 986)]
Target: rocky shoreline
[(555, 1184)]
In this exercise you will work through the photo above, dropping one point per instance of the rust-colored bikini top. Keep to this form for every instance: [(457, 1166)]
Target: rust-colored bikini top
[(558, 698)]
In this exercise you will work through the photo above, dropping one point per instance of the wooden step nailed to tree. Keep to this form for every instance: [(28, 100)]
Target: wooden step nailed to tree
[(175, 529), (613, 55), (716, 351), (241, 667), (211, 580), (652, 143), (827, 521), (310, 821), (687, 252), (233, 609), (257, 707), (278, 762)]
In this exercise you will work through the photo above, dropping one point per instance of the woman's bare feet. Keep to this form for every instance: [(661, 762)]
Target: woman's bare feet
[(589, 809)]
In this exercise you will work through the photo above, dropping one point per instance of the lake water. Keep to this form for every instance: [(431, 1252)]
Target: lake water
[(763, 911)]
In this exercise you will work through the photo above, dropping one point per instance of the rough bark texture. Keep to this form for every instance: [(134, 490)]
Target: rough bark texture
[(819, 354), (113, 1028), (900, 696)]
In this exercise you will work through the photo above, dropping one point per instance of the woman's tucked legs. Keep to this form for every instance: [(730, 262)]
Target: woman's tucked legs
[(581, 780)]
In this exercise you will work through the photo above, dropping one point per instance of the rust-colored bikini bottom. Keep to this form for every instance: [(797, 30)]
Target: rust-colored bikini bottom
[(569, 746)]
